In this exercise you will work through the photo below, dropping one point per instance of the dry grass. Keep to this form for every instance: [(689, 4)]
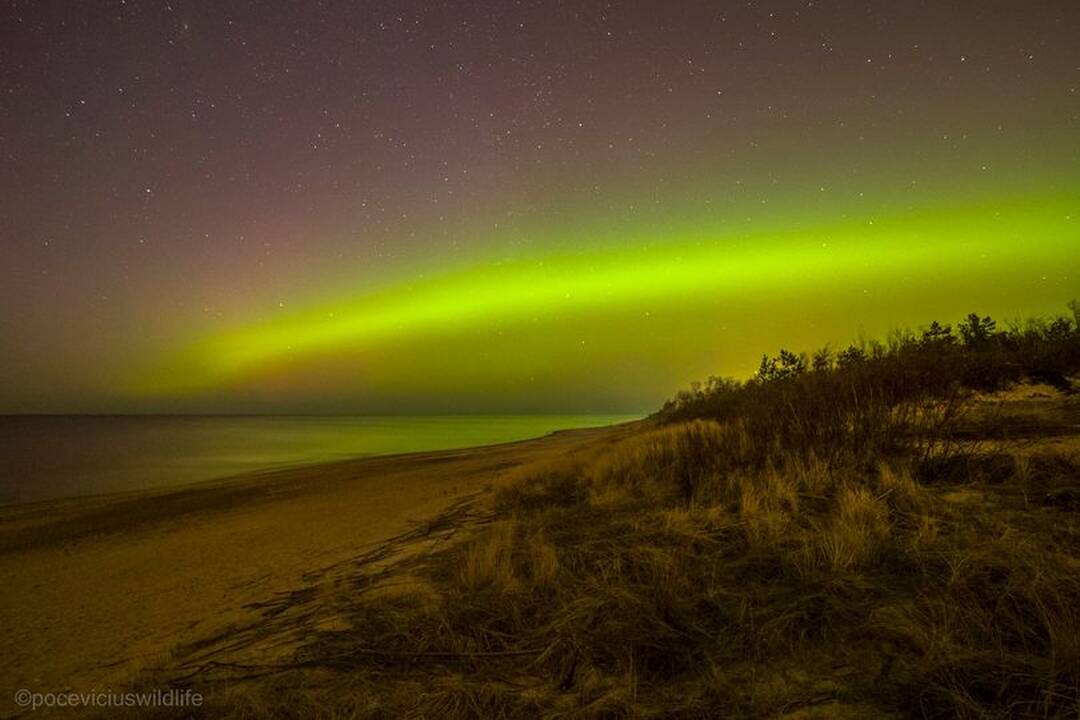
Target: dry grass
[(854, 534), (718, 569), (666, 587), (488, 563)]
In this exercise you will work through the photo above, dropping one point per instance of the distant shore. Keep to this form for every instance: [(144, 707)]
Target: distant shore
[(101, 587)]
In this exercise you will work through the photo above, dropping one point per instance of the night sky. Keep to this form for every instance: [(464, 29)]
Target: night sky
[(431, 207)]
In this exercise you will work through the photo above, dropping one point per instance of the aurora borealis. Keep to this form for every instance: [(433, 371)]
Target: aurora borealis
[(426, 207)]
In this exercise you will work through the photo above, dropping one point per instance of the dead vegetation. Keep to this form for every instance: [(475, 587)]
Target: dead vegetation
[(890, 556)]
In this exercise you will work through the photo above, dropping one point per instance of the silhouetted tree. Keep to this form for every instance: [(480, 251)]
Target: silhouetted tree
[(938, 335), (822, 360), (785, 365), (849, 356), (975, 332)]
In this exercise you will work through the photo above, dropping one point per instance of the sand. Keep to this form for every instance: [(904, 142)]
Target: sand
[(97, 589)]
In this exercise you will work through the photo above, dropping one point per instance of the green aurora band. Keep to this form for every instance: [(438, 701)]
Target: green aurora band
[(988, 238)]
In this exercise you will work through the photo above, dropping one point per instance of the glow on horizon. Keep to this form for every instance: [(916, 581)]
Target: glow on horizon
[(990, 237)]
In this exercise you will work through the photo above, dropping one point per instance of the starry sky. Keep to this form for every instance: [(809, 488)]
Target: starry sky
[(512, 206)]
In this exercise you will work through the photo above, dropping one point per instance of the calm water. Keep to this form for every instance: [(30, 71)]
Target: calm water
[(56, 456)]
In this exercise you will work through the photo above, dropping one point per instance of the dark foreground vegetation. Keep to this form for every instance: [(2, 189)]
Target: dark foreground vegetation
[(878, 532), (848, 402)]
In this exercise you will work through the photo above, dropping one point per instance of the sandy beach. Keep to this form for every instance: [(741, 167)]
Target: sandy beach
[(97, 589)]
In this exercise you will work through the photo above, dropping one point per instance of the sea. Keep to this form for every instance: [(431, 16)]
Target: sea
[(45, 457)]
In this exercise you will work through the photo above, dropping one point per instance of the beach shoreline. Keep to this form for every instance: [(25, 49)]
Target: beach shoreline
[(105, 586)]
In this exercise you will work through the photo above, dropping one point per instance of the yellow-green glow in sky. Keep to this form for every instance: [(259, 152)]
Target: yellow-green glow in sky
[(369, 208), (1026, 247)]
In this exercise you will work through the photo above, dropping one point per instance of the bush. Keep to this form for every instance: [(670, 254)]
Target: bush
[(851, 402)]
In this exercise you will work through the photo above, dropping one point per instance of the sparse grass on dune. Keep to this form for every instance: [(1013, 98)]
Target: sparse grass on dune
[(800, 589), (915, 566)]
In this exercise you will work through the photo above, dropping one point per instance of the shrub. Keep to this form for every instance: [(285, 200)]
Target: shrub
[(850, 406)]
